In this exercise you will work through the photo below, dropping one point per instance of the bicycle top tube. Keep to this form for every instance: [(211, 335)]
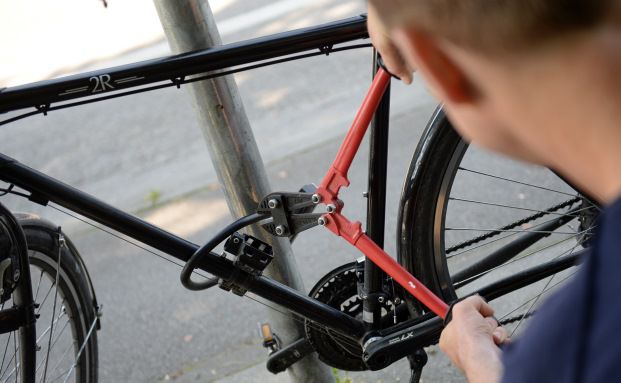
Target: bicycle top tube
[(177, 67)]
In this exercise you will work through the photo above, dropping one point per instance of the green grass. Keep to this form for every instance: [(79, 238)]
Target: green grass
[(338, 379), (153, 197)]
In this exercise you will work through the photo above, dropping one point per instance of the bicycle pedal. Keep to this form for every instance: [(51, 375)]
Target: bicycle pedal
[(251, 254), (284, 358), (269, 339)]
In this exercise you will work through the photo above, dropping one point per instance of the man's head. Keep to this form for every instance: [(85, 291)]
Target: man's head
[(515, 75), (495, 25)]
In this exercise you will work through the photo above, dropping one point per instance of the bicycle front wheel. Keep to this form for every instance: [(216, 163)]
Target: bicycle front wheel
[(470, 218), (66, 339)]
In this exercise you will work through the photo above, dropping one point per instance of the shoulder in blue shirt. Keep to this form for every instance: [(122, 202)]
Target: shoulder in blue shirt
[(573, 337)]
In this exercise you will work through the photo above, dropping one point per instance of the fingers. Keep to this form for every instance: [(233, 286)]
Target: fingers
[(484, 308), (499, 333), (395, 63), (472, 337), (491, 322), (501, 336), (477, 303)]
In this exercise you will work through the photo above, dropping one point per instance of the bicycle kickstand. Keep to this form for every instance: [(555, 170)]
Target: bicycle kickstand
[(417, 360)]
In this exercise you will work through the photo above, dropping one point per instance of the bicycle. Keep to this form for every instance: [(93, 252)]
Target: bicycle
[(356, 317)]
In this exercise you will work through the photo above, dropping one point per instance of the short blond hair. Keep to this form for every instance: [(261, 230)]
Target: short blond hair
[(496, 24)]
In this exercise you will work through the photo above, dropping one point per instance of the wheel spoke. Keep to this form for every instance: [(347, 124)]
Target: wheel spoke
[(532, 305), (45, 298), (507, 206), (77, 357), (54, 343), (64, 355), (511, 226), (525, 303), (451, 254), (12, 360), (538, 296), (6, 349), (15, 359), (471, 278), (49, 343), (60, 315), (36, 295), (514, 181), (509, 231)]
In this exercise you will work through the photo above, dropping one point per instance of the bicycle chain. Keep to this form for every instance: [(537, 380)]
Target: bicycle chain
[(511, 226), (516, 318)]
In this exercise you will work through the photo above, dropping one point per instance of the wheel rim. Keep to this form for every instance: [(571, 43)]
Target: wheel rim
[(58, 341), (526, 191)]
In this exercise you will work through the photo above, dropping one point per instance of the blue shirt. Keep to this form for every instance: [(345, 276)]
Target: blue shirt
[(576, 335)]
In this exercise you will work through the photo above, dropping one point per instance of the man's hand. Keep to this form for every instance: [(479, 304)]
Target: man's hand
[(383, 43), (471, 340)]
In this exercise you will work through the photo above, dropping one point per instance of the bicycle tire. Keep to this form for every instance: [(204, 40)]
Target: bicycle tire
[(67, 321), (422, 229)]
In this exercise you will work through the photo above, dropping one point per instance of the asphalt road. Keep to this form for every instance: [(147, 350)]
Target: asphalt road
[(127, 149), (118, 150)]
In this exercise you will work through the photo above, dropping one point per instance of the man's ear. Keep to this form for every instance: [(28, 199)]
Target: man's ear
[(445, 77)]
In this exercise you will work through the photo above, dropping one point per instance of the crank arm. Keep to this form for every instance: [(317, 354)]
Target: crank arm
[(382, 351)]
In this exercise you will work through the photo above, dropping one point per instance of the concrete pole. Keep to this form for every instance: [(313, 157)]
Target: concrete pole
[(189, 25)]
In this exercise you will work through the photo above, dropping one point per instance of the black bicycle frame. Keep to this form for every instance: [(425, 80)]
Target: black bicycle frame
[(175, 69), (94, 86), (44, 189)]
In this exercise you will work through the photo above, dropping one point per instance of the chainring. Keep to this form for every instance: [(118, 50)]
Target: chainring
[(338, 289)]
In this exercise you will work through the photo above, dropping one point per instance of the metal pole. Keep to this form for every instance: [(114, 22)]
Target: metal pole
[(189, 25)]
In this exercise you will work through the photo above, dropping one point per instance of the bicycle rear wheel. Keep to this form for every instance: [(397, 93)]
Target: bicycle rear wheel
[(466, 216), (66, 339)]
